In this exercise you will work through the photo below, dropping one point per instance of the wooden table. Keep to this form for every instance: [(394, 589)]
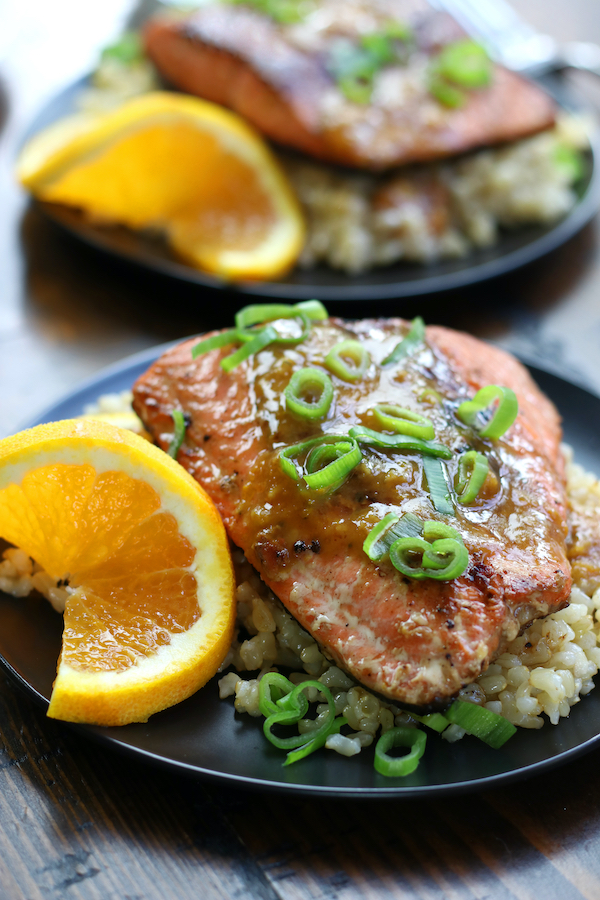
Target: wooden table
[(77, 821)]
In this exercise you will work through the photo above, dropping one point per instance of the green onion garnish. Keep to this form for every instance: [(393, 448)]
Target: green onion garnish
[(440, 554), (216, 341), (127, 50), (570, 161), (430, 395), (412, 738), (262, 339), (473, 470), (446, 93), (410, 343), (392, 527), (309, 394), (349, 360), (484, 724), (323, 470), (257, 339), (261, 313), (483, 401), (179, 433), (273, 687), (316, 742), (356, 88), (379, 46), (314, 309), (403, 421), (402, 442), (398, 31), (286, 12), (285, 704), (435, 721), (465, 63), (437, 485)]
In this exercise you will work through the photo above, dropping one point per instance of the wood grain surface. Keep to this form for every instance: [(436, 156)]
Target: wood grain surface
[(79, 821)]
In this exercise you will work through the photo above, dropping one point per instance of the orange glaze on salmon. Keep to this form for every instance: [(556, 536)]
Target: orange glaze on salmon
[(415, 641), (279, 78)]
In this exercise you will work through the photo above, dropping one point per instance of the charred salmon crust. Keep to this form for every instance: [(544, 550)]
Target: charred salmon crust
[(415, 641), (279, 78)]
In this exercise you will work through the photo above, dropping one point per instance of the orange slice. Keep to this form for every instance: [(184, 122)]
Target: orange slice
[(183, 165), (150, 612)]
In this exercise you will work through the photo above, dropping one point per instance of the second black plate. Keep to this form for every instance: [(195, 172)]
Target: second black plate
[(514, 249)]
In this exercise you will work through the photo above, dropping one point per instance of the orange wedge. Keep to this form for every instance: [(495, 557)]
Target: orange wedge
[(188, 167), (150, 612)]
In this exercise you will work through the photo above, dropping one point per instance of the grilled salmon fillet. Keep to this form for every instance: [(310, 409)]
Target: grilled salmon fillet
[(415, 641), (279, 77)]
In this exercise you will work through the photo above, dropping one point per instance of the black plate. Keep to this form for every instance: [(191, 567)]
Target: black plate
[(204, 737), (514, 249)]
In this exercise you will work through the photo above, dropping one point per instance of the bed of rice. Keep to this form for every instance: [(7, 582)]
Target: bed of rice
[(512, 185)]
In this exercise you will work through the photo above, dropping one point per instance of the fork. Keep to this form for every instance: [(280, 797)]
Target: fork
[(516, 44)]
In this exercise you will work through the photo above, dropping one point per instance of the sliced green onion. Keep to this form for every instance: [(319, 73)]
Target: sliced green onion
[(404, 421), (381, 537), (435, 721), (178, 434), (312, 383), (127, 50), (283, 703), (429, 395), (356, 88), (260, 313), (296, 707), (402, 442), (272, 687), (483, 401), (217, 340), (314, 309), (434, 531), (349, 360), (353, 69), (437, 485), (398, 31), (331, 476), (408, 344), (379, 46), (443, 560), (286, 12), (447, 559), (465, 63), (570, 161), (482, 723), (446, 93), (406, 555), (263, 338), (412, 738), (316, 742), (473, 468)]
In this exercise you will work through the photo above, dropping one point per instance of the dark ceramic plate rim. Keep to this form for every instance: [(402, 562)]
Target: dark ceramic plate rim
[(398, 281), (120, 376)]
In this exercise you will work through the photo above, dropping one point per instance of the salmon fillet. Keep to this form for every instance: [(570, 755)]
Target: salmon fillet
[(415, 641), (279, 78)]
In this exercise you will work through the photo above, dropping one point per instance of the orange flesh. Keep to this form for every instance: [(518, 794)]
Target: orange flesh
[(127, 559), (201, 189)]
